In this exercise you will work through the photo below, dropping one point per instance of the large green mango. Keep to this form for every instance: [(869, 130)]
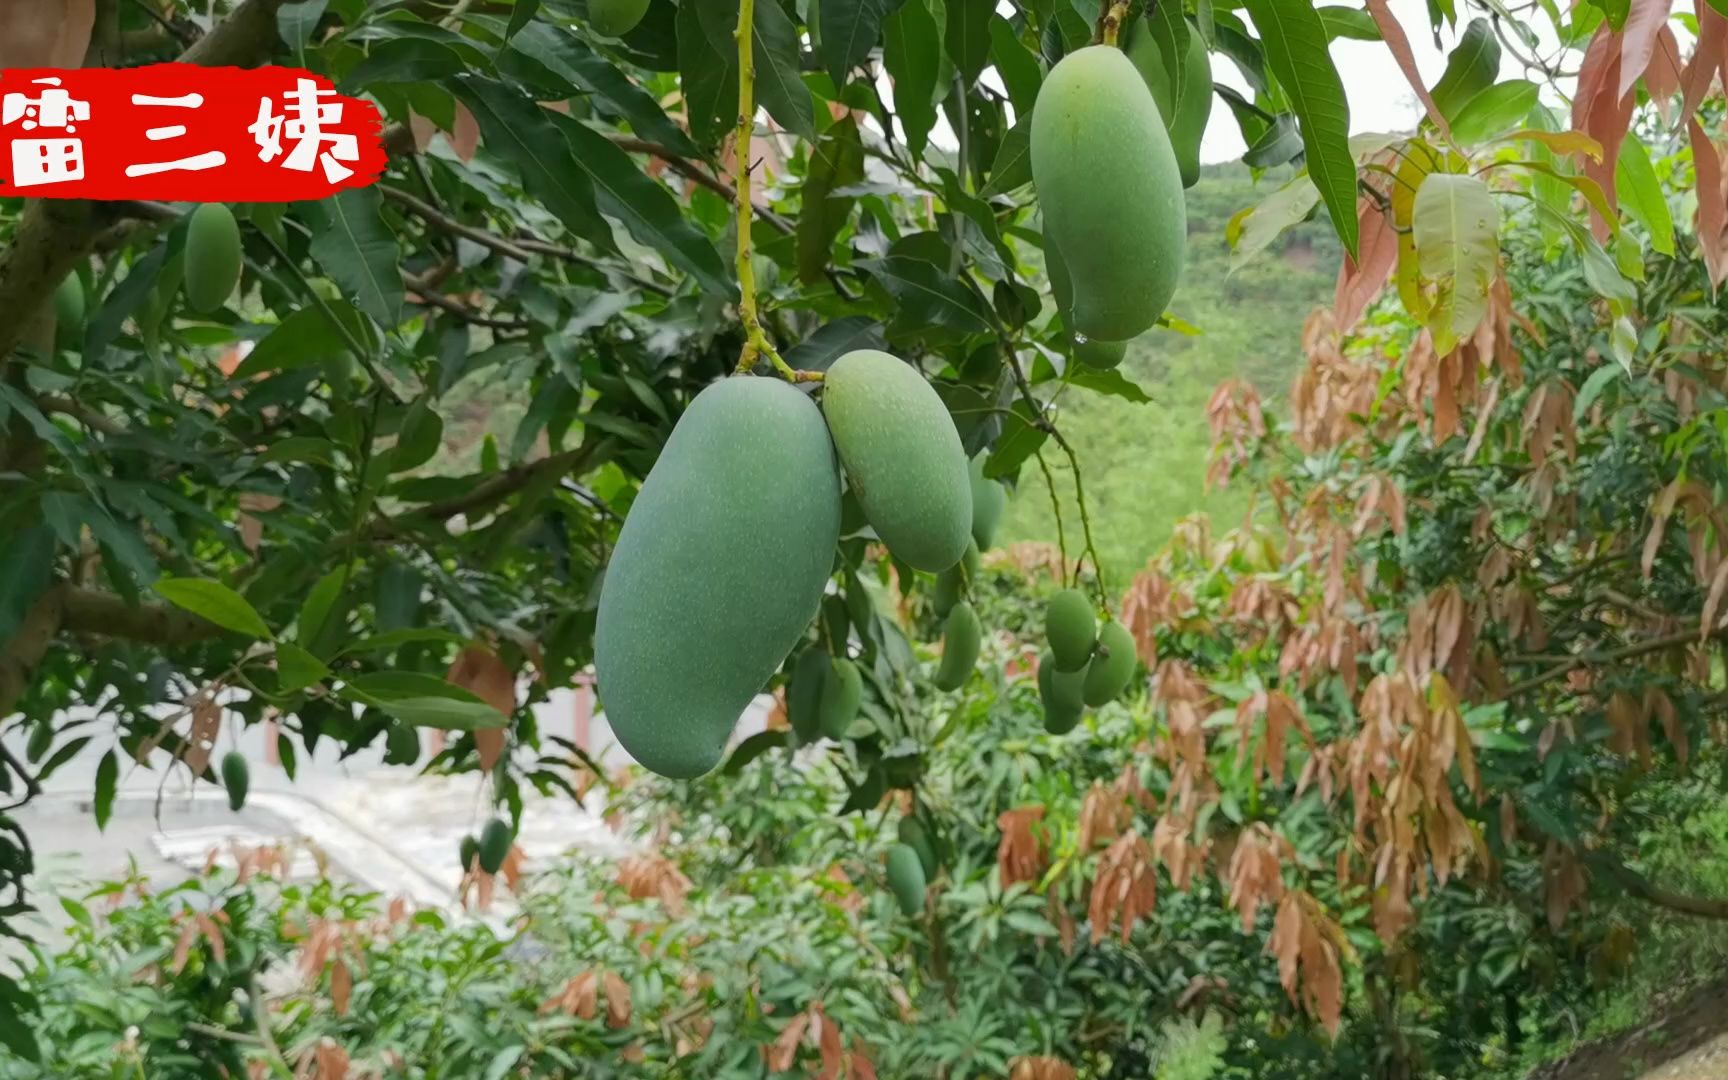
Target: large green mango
[(213, 257), (718, 571), (1110, 191), (615, 18), (1184, 119), (906, 879), (902, 456)]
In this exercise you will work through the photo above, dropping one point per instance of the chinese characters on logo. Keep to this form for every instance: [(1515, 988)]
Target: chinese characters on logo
[(179, 132)]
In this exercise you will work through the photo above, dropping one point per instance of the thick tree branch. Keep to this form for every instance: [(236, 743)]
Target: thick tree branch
[(1610, 656), (489, 493), (95, 421), (54, 235), (1637, 885), (426, 292), (518, 249)]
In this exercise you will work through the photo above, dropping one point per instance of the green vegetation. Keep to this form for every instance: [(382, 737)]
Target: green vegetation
[(1150, 459)]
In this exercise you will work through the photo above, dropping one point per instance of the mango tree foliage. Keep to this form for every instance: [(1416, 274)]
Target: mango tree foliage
[(218, 519)]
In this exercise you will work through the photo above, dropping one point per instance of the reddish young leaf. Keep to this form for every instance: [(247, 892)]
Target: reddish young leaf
[(1360, 280), (1638, 39), (1712, 212), (1396, 41), (1708, 57)]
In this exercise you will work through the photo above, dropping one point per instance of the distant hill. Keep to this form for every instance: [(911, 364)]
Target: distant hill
[(1144, 465)]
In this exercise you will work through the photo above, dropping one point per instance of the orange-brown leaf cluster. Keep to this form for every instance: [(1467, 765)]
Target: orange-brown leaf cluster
[(1310, 948), (1023, 853), (646, 877), (1125, 887)]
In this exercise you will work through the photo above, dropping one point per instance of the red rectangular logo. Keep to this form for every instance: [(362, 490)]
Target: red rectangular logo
[(183, 133)]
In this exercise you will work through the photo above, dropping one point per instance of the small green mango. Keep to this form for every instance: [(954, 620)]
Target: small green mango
[(236, 778), (902, 457), (989, 500), (1070, 628), (615, 18), (1100, 355), (213, 258), (1110, 191), (971, 563), (468, 851), (906, 879), (1184, 119), (1062, 693), (495, 841), (842, 694), (961, 637), (698, 608), (915, 836), (804, 694), (1113, 666), (69, 311)]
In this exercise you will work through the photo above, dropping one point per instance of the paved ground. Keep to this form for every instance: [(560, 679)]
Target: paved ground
[(383, 826)]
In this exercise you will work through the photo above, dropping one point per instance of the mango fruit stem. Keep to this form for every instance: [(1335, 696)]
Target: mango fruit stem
[(1110, 23)]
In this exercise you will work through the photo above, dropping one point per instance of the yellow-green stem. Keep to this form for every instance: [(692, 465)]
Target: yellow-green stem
[(1110, 23), (756, 343)]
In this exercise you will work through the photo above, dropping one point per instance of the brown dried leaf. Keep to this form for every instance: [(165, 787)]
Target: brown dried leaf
[(1022, 853), (617, 1000), (1712, 213), (1638, 39), (201, 740), (784, 1052), (341, 987), (1361, 280), (1125, 887), (45, 33)]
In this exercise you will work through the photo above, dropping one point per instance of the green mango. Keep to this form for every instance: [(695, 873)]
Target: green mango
[(69, 311), (804, 694), (1100, 355), (950, 586), (1063, 695), (495, 842), (989, 500), (906, 878), (717, 573), (468, 851), (1184, 119), (236, 778), (971, 563), (842, 694), (1110, 191), (961, 638), (915, 836), (1070, 628), (615, 18), (1113, 666), (213, 259), (902, 457)]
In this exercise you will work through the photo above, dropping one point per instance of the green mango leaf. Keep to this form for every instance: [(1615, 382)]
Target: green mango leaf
[(1294, 40), (307, 337), (1640, 193), (1110, 381), (567, 57), (403, 60), (912, 53), (1495, 110), (1471, 68), (522, 133), (296, 669), (213, 602), (24, 574), (446, 714), (107, 779), (1016, 65), (848, 30), (928, 296), (708, 61), (1253, 232), (395, 685), (1013, 164), (1456, 228), (836, 161), (1347, 22), (968, 35), (645, 207), (1021, 438), (358, 253), (835, 339)]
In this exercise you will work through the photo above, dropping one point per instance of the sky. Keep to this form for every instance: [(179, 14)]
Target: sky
[(1379, 95)]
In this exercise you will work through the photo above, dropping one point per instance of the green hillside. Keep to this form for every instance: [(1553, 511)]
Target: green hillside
[(1145, 464)]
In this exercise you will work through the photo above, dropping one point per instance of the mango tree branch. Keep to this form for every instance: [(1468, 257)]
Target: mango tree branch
[(54, 235), (1606, 657), (490, 492), (1636, 884)]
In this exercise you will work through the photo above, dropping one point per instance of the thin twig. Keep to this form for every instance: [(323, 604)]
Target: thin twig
[(1056, 509), (427, 293)]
